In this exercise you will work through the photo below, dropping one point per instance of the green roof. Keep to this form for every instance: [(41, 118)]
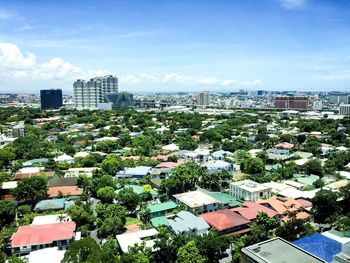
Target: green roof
[(162, 206), (159, 221), (303, 155), (307, 180), (226, 199)]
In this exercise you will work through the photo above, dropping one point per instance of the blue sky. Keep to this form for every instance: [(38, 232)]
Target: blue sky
[(178, 45)]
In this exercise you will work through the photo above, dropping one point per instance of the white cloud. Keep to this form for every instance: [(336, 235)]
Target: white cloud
[(293, 4), (18, 67), (176, 79)]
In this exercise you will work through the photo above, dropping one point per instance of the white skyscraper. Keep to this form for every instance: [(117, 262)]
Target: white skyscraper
[(203, 98), (89, 94)]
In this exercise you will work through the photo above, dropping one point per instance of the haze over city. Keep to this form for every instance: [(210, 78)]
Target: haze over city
[(176, 45)]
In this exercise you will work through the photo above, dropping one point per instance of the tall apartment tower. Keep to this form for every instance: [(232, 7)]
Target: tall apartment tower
[(203, 98), (89, 94)]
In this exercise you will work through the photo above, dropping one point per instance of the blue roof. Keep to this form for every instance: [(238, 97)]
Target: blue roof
[(50, 204), (320, 246), (186, 222)]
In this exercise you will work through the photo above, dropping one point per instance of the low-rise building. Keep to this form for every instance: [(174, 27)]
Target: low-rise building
[(226, 221), (198, 202), (134, 172), (161, 209), (186, 222), (34, 237), (249, 190), (128, 240)]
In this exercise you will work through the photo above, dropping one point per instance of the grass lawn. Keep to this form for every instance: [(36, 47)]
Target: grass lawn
[(132, 220)]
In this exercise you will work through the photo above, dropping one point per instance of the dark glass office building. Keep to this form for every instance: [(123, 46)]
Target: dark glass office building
[(51, 99), (121, 100)]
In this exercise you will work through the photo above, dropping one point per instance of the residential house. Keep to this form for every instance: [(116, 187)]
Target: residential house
[(35, 237), (218, 166), (198, 202), (64, 191), (249, 190), (186, 222), (161, 209), (128, 240), (75, 172), (250, 210), (220, 155), (285, 206), (135, 172), (226, 221)]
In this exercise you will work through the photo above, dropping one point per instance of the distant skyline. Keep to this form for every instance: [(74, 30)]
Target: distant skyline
[(178, 45)]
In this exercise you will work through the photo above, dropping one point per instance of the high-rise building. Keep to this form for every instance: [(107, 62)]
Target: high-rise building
[(122, 100), (203, 98), (338, 97), (89, 94), (51, 99), (344, 109), (291, 102)]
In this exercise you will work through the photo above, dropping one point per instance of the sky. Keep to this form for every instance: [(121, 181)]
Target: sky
[(176, 45)]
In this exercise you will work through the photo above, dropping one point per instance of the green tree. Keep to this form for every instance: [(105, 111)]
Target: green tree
[(7, 212), (128, 198), (189, 253), (106, 194), (31, 189), (81, 215), (314, 166), (110, 227), (112, 164), (253, 166), (85, 250), (325, 205), (294, 228)]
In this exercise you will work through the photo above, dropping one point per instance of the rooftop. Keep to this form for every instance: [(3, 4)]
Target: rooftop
[(130, 239), (50, 204), (250, 186), (224, 219), (162, 206), (196, 199), (42, 234), (186, 222), (278, 250), (225, 199)]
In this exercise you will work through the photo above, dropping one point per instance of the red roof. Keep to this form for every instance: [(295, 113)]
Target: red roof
[(250, 210), (224, 219), (42, 234), (64, 191), (284, 145), (167, 165)]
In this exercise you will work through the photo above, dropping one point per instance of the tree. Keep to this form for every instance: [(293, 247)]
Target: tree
[(253, 166), (106, 194), (85, 250), (110, 227), (294, 228), (81, 215), (31, 189), (6, 156), (325, 205), (189, 253), (110, 251), (7, 212), (211, 245), (314, 166), (112, 164), (128, 198), (102, 181), (319, 183)]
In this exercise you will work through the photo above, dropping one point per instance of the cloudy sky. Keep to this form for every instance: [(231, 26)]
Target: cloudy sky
[(176, 45)]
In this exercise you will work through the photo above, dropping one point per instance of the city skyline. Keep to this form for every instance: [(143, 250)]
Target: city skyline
[(219, 46)]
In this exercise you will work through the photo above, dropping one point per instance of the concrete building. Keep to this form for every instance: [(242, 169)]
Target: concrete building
[(249, 190), (17, 130), (276, 250), (51, 99), (121, 100), (198, 202), (89, 94), (291, 102), (203, 98), (338, 97), (344, 109)]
